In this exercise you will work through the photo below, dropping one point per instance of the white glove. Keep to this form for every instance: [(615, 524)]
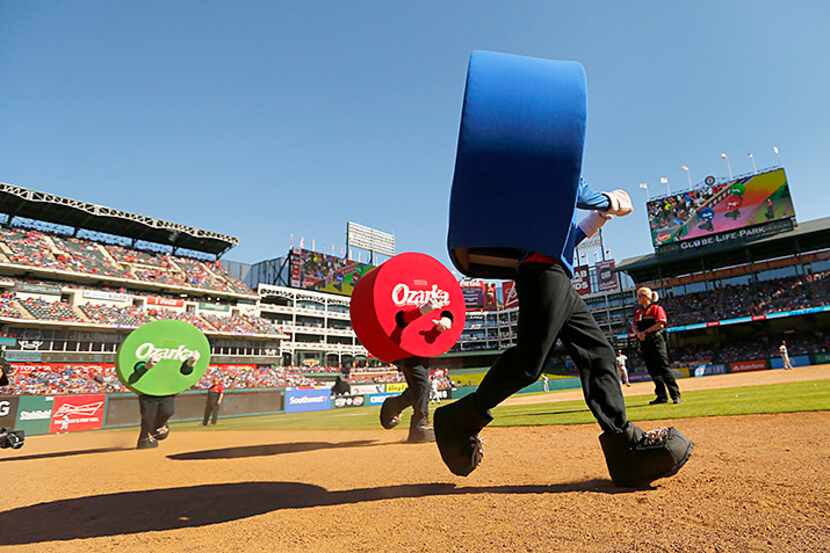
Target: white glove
[(591, 224), (443, 324), (193, 359), (620, 203)]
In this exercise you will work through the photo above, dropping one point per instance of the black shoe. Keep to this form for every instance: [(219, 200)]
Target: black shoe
[(147, 443), (421, 435), (636, 458), (658, 401), (456, 431), (390, 415), (161, 433), (676, 400)]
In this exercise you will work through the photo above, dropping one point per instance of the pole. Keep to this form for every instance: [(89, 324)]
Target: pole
[(754, 167), (602, 244)]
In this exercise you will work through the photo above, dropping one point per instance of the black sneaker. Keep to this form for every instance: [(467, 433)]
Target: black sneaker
[(658, 401), (421, 435), (676, 400), (390, 415), (456, 431), (161, 433), (636, 458), (147, 443)]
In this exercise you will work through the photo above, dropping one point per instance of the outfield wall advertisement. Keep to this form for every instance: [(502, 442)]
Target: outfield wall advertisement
[(720, 212)]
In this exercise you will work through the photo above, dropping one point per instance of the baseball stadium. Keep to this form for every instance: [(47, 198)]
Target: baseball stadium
[(157, 393)]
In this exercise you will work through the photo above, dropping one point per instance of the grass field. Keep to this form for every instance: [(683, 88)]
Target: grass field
[(772, 398), (472, 377)]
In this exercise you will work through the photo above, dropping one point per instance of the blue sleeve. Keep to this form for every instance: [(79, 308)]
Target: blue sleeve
[(588, 198)]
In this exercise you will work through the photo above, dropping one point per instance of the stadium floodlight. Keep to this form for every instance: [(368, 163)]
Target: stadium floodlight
[(685, 168), (777, 153), (725, 157), (752, 158), (665, 180), (644, 187)]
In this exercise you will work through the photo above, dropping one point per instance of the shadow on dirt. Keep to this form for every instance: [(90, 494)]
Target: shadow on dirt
[(56, 454), (266, 450), (195, 506)]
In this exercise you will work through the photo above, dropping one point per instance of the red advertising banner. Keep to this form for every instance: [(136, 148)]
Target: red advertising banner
[(581, 280), (474, 294), (164, 302), (509, 297), (607, 276), (74, 413), (755, 365)]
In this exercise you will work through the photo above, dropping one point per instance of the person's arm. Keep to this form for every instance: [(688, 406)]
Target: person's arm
[(616, 202), (221, 396)]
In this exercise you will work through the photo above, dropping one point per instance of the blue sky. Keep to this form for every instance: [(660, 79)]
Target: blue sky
[(263, 119)]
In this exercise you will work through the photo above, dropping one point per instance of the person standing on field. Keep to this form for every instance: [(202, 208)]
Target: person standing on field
[(216, 393), (785, 355)]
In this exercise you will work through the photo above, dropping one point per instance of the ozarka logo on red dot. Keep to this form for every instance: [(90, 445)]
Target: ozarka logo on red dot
[(403, 296)]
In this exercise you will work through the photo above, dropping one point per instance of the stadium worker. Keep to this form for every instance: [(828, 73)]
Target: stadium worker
[(215, 395), (418, 389), (648, 326), (785, 355), (521, 140)]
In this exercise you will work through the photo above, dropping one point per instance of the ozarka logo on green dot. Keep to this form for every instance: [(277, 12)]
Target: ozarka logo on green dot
[(163, 358)]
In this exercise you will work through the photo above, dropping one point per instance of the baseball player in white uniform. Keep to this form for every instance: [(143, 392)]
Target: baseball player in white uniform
[(622, 371), (785, 356)]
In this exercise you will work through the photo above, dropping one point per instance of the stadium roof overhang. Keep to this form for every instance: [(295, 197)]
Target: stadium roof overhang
[(806, 237), (17, 201)]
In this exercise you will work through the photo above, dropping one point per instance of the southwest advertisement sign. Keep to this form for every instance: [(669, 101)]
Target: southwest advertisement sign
[(34, 414), (581, 280), (296, 401), (607, 276), (74, 413), (743, 366), (325, 273), (722, 208), (8, 411)]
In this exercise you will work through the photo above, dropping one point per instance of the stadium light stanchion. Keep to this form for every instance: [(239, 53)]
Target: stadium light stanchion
[(685, 168), (644, 188), (777, 153), (665, 180), (725, 157), (754, 167)]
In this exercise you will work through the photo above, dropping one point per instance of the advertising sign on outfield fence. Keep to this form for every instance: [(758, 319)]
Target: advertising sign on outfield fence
[(366, 389), (8, 411), (34, 414), (307, 400), (821, 358), (395, 387), (349, 401), (74, 413), (743, 366), (377, 399)]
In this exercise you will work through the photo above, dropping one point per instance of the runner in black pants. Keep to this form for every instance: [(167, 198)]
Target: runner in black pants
[(550, 308), (649, 321), (155, 412), (416, 372)]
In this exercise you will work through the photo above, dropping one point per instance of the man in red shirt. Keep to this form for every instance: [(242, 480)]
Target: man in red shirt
[(649, 321), (216, 393)]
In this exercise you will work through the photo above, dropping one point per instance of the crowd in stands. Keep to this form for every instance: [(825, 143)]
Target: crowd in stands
[(53, 251), (757, 298), (52, 379)]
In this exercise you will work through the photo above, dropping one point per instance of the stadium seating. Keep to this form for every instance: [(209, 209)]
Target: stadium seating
[(43, 250)]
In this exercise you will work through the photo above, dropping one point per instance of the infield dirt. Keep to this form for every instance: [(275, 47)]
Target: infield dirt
[(755, 483)]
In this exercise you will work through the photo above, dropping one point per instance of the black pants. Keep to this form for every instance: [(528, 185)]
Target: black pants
[(211, 408), (550, 308), (416, 372), (656, 355), (155, 412)]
